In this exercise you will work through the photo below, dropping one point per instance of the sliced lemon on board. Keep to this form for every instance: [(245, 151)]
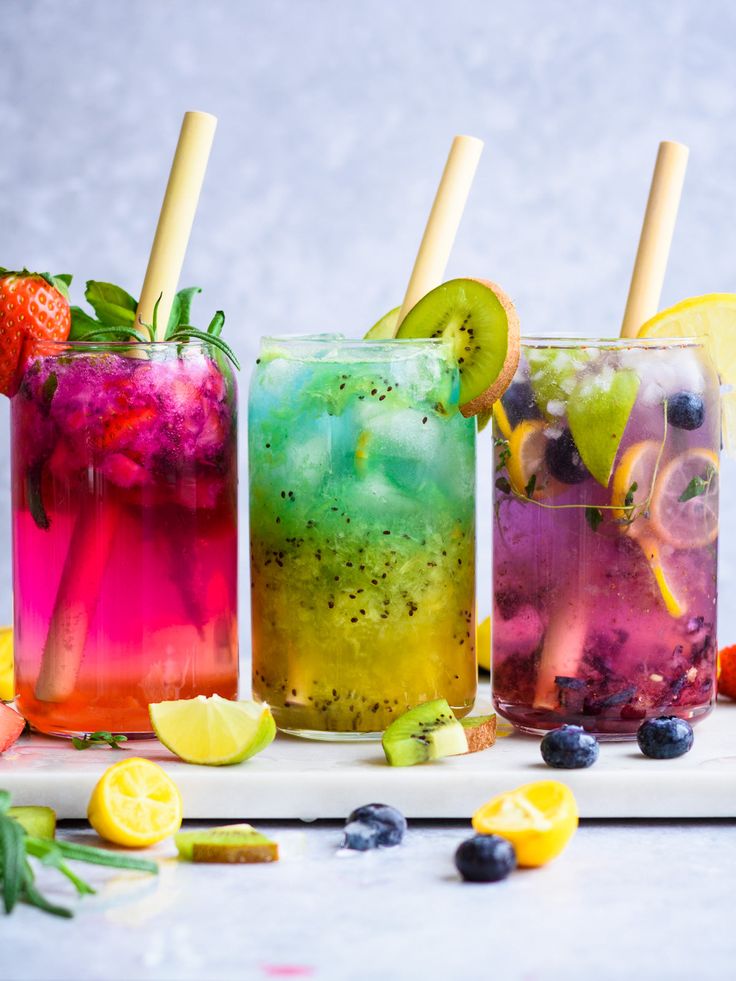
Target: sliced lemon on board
[(538, 819), (684, 507), (711, 318), (135, 804), (213, 731), (7, 679)]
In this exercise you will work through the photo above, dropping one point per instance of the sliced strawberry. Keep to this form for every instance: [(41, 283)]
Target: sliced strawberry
[(11, 726), (120, 429)]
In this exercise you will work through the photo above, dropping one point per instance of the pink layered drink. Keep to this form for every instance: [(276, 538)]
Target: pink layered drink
[(125, 533)]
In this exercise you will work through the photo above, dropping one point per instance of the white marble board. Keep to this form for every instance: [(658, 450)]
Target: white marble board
[(306, 780)]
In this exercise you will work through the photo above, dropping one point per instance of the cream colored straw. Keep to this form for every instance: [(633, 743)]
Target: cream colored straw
[(443, 221), (176, 219), (656, 237)]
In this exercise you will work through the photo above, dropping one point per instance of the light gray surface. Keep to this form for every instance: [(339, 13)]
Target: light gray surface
[(624, 901), (335, 119)]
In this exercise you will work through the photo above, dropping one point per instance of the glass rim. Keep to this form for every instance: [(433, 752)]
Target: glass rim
[(338, 348), (82, 344), (573, 341)]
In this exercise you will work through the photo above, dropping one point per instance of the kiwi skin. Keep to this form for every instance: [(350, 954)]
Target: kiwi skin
[(485, 400)]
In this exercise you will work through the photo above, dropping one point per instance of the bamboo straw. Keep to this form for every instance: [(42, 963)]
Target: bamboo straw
[(656, 237), (443, 221), (176, 218)]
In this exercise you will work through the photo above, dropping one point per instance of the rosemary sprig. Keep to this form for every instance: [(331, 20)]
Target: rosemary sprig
[(18, 877), (99, 738)]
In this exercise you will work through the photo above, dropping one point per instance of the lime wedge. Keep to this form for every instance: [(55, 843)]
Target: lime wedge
[(385, 328), (712, 319), (213, 731), (597, 411)]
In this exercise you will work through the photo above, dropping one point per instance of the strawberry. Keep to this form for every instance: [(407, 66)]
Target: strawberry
[(727, 672), (33, 307)]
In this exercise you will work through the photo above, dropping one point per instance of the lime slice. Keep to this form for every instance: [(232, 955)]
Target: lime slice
[(712, 318), (481, 322), (385, 328), (213, 731), (7, 683), (597, 412)]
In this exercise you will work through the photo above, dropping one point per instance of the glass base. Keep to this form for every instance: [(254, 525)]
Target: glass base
[(328, 736), (538, 722)]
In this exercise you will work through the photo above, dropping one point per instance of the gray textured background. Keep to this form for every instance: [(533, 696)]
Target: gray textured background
[(335, 119)]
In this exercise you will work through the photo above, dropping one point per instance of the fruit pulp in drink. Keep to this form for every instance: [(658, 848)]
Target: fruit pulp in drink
[(124, 534), (605, 585), (362, 475)]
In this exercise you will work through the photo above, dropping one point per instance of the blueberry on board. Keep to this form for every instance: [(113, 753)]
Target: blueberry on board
[(665, 738), (485, 858), (569, 748), (374, 826), (519, 403), (686, 410), (563, 460)]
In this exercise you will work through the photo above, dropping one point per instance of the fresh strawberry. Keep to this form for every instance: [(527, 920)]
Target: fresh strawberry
[(33, 307), (11, 726), (124, 427), (727, 672)]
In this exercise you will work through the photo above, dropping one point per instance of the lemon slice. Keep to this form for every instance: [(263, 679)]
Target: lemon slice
[(527, 445), (483, 644), (7, 680), (632, 486), (135, 804), (213, 731), (538, 819), (711, 318), (684, 507)]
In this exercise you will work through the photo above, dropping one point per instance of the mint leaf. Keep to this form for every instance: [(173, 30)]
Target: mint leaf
[(216, 324), (532, 483), (629, 499), (101, 738), (698, 485), (34, 496), (593, 516), (503, 485), (82, 324), (113, 306), (181, 309)]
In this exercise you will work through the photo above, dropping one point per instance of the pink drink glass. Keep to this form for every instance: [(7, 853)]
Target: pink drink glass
[(124, 474)]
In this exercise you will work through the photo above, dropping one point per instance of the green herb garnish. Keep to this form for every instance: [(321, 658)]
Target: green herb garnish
[(18, 877), (503, 485), (531, 484), (593, 516), (698, 485), (99, 738)]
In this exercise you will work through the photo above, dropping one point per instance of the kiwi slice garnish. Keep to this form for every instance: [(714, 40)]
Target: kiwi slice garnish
[(232, 844), (427, 732), (482, 323), (385, 328)]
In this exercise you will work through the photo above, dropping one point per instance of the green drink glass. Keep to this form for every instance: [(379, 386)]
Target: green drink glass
[(362, 531)]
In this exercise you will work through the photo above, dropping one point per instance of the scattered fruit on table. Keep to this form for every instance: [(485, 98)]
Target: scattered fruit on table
[(727, 671), (665, 738), (428, 732), (480, 731), (483, 644), (231, 844), (33, 307), (539, 819), (213, 731), (11, 726), (36, 821), (18, 845), (569, 748), (481, 322), (102, 738), (374, 826), (485, 858), (135, 804), (7, 679)]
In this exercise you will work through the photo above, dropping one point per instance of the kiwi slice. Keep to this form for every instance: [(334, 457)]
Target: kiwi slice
[(385, 328), (36, 821), (231, 844), (484, 328), (480, 731), (427, 732)]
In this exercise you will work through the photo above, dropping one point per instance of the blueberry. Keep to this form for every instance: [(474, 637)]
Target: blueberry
[(665, 738), (563, 460), (569, 748), (374, 826), (485, 858), (519, 403), (686, 410)]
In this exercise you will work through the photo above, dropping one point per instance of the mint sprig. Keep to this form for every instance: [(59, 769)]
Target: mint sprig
[(698, 485), (115, 313), (17, 874), (100, 738)]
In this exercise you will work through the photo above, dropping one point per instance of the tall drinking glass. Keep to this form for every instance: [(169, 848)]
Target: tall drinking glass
[(124, 533), (605, 535), (362, 476)]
